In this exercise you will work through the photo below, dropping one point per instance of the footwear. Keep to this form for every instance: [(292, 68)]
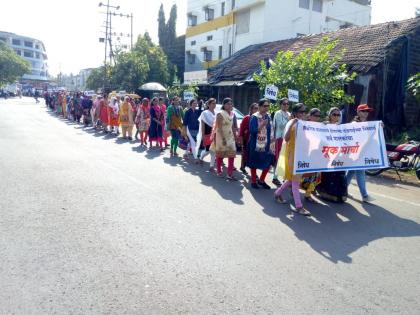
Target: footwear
[(279, 199), (302, 211), (368, 199), (276, 182), (212, 170), (255, 186), (219, 174), (263, 184), (130, 138), (231, 177), (175, 154), (243, 170)]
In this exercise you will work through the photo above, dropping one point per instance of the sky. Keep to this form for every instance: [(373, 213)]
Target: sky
[(70, 29)]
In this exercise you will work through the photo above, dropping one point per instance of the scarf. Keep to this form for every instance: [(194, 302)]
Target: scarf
[(262, 136)]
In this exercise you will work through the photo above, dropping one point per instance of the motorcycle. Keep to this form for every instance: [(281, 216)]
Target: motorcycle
[(402, 157)]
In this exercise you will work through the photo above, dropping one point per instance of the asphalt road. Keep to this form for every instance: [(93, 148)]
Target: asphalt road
[(90, 224)]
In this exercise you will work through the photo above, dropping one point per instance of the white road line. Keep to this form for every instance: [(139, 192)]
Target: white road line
[(395, 199)]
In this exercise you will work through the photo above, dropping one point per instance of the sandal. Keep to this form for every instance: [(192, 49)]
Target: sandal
[(302, 211), (279, 199), (231, 177)]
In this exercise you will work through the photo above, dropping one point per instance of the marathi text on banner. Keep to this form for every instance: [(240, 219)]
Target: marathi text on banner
[(329, 147)]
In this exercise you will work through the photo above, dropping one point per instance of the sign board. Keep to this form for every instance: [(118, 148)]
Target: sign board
[(329, 147), (195, 77), (271, 92), (293, 95), (188, 95)]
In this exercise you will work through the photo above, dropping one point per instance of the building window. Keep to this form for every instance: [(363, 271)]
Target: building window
[(190, 58), (16, 42), (37, 46), (317, 5), (233, 4), (192, 20), (304, 4), (220, 52), (37, 55), (3, 39), (208, 55), (210, 37), (28, 54), (29, 44), (223, 9), (193, 42), (18, 52), (209, 14), (230, 50), (242, 22)]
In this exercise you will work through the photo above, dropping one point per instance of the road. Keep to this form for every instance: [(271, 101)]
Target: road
[(91, 224)]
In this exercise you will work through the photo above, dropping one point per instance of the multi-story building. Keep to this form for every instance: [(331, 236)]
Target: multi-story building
[(219, 28), (31, 49)]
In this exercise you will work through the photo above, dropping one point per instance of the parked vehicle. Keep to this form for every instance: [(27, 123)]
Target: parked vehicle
[(402, 157)]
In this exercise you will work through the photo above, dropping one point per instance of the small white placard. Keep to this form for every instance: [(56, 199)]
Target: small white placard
[(293, 95), (188, 95), (271, 92)]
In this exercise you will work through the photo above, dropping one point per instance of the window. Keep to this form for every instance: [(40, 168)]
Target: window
[(233, 4), (3, 39), (223, 9), (37, 55), (304, 4), (29, 44), (16, 42), (192, 20), (28, 54), (193, 42), (220, 52), (37, 46), (209, 14), (230, 50), (242, 22), (317, 5), (18, 52), (191, 58), (208, 55), (210, 37)]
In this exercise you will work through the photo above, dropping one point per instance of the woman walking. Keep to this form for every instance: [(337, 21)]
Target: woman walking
[(259, 154), (244, 136), (291, 180), (126, 119), (113, 113), (157, 122), (362, 115), (143, 120), (224, 144), (204, 137), (103, 113), (174, 123), (191, 126)]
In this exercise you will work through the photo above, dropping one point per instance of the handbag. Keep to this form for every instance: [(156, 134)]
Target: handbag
[(207, 140)]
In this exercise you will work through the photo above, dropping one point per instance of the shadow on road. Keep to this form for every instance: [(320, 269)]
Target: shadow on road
[(337, 230), (228, 190)]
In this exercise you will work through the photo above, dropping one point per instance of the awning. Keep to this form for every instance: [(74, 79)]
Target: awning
[(227, 83)]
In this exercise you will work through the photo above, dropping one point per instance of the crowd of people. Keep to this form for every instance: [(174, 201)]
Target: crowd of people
[(266, 141)]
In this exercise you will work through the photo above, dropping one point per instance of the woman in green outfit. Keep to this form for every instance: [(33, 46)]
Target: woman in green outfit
[(174, 116)]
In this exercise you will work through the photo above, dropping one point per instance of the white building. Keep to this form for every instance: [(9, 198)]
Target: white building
[(218, 28), (33, 50)]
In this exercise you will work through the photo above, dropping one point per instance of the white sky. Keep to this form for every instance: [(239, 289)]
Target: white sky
[(70, 28)]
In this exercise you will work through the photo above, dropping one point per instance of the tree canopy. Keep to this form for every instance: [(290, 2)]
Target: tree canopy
[(12, 66), (314, 72)]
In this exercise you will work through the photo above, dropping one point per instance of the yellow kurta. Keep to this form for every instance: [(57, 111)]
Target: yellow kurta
[(126, 115), (287, 158)]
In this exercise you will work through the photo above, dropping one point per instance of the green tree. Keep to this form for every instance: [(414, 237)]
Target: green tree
[(413, 85), (130, 71), (96, 79), (314, 72), (162, 29), (178, 90), (12, 66)]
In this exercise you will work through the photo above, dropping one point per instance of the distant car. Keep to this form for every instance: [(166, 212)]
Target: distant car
[(239, 115)]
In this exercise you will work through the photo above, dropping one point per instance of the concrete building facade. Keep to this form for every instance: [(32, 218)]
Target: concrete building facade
[(31, 49), (219, 28)]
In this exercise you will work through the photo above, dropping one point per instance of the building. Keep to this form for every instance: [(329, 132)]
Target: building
[(384, 56), (219, 28), (33, 50)]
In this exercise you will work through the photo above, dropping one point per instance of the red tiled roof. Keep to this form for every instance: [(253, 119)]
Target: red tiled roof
[(365, 48)]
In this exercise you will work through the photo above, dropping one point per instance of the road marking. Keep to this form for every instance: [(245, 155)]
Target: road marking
[(395, 199)]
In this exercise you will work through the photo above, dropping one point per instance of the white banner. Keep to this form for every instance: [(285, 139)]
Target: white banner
[(327, 147), (271, 92), (188, 95)]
